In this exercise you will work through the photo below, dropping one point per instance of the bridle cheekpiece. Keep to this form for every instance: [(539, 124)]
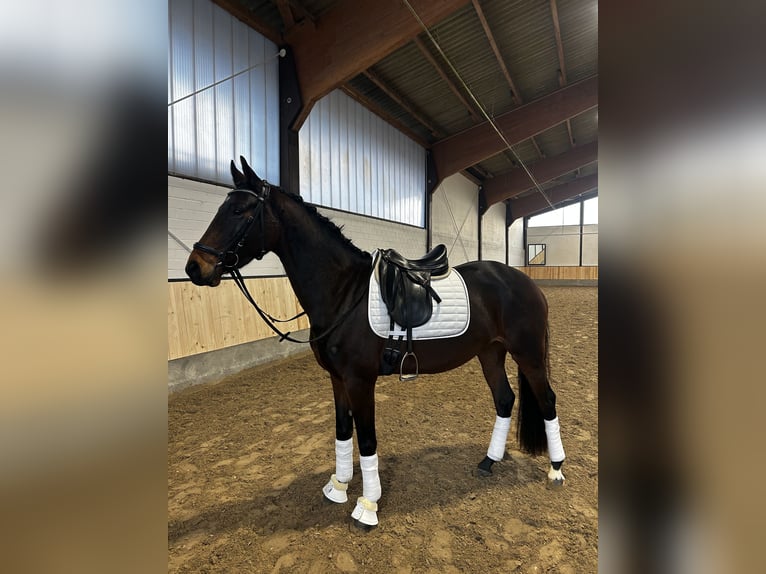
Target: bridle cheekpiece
[(228, 258)]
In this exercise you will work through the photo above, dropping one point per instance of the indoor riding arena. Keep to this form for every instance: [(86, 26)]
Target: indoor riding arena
[(306, 138)]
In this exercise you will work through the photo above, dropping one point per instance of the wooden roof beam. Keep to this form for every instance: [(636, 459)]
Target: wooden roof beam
[(452, 86), (515, 94), (479, 142), (514, 182), (403, 103), (351, 37), (559, 44), (242, 13), (299, 10), (287, 15), (488, 33), (562, 65), (537, 148), (535, 203)]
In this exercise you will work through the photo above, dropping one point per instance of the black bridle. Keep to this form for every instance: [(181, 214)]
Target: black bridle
[(228, 258), (231, 266)]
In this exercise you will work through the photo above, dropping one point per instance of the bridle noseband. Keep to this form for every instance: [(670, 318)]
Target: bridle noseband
[(228, 258)]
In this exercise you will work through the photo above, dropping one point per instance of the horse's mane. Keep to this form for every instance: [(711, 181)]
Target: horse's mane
[(332, 229)]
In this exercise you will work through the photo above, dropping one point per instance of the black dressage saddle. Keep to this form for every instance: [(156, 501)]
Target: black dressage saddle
[(405, 286)]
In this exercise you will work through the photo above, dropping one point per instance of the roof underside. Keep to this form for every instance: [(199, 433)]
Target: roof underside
[(434, 93)]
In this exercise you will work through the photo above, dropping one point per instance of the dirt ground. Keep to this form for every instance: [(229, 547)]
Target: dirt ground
[(248, 456)]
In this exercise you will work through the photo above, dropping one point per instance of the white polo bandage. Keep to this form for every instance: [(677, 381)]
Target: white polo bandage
[(370, 479), (344, 459), (496, 448), (555, 448)]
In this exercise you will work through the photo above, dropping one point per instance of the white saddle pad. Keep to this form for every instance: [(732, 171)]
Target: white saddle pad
[(450, 318)]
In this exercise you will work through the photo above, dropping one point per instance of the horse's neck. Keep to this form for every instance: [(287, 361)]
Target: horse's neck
[(324, 271)]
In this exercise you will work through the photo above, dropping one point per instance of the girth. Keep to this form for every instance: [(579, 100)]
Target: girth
[(405, 286)]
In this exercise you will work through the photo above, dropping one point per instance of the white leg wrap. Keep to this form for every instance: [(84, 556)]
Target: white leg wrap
[(555, 448), (496, 448), (344, 459), (366, 510), (370, 478), (335, 489)]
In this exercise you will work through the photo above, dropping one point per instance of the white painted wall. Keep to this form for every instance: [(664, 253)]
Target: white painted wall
[(516, 247), (493, 234), (454, 218), (192, 205), (590, 245), (563, 243), (370, 234)]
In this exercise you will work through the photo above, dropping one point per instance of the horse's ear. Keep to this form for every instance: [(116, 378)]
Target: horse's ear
[(249, 171), (238, 176)]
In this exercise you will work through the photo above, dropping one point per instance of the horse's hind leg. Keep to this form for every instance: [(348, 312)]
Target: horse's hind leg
[(538, 421), (492, 362)]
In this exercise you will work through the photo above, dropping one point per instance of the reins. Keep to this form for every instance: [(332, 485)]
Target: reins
[(239, 280)]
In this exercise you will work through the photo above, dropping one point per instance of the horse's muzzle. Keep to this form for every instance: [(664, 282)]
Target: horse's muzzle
[(201, 272)]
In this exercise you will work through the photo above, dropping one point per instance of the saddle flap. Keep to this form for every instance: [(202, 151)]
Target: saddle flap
[(408, 303), (405, 285)]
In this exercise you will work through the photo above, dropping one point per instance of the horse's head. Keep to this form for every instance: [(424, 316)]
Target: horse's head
[(238, 233)]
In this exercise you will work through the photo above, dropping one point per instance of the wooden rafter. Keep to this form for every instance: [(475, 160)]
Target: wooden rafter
[(403, 102), (481, 141), (287, 15), (351, 37), (515, 94), (562, 64), (535, 202), (491, 38), (559, 44), (485, 173), (242, 13), (452, 86), (516, 181), (299, 10)]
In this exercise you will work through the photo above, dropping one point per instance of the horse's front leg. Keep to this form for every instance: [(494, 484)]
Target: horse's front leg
[(335, 489), (361, 392)]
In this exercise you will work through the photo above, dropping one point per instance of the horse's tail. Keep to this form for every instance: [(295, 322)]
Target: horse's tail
[(530, 427)]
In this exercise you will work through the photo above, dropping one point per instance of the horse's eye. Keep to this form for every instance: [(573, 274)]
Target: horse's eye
[(238, 211)]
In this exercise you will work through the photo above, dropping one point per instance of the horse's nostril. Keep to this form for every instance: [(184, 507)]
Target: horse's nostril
[(192, 269)]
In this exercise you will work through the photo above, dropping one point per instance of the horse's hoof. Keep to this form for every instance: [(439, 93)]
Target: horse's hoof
[(556, 484), (555, 477), (483, 473), (484, 468), (361, 526)]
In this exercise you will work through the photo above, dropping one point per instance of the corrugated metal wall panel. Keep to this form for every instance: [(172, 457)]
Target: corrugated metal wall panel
[(181, 46), (217, 123), (183, 136), (206, 142), (204, 62), (222, 43), (350, 159)]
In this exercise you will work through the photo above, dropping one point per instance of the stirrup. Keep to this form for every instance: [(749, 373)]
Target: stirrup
[(402, 376)]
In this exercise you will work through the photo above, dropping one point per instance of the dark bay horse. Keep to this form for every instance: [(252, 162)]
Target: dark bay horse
[(330, 277)]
